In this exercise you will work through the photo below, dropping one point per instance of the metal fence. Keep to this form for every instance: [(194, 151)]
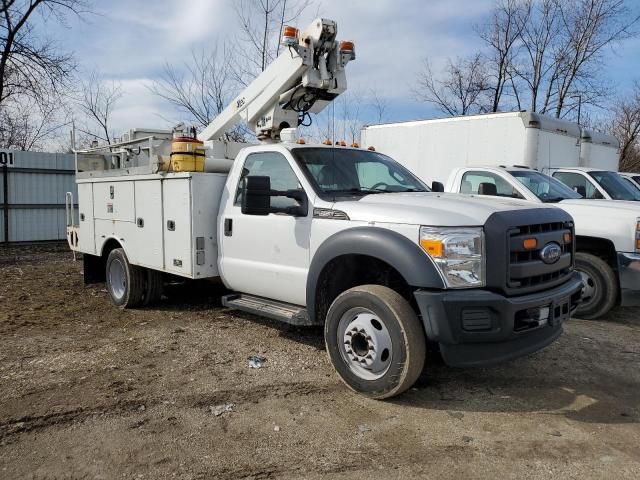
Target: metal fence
[(32, 195)]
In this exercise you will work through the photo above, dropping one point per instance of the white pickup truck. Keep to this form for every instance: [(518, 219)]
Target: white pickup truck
[(607, 233), (319, 235)]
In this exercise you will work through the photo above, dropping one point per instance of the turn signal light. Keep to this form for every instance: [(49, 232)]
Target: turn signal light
[(347, 47), (638, 244), (567, 237), (327, 142), (289, 36), (355, 145), (530, 243), (341, 143), (372, 148), (301, 141), (432, 247)]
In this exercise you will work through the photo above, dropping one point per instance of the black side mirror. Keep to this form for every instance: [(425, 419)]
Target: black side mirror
[(256, 196), (581, 190), (437, 186), (486, 188)]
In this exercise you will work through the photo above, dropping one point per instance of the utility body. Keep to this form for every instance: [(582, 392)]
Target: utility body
[(341, 237), (477, 154)]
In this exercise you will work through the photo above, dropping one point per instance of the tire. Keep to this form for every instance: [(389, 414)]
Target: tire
[(126, 283), (600, 293), (375, 316), (153, 288)]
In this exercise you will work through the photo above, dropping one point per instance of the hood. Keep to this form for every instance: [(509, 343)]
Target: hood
[(612, 220), (429, 208), (600, 205)]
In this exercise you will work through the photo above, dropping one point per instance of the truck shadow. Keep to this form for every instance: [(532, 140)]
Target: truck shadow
[(542, 383)]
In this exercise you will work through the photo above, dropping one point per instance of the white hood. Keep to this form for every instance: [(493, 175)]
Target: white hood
[(429, 208), (613, 220)]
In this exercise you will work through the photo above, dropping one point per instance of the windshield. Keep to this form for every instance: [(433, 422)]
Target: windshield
[(340, 171), (546, 188), (615, 186), (632, 183)]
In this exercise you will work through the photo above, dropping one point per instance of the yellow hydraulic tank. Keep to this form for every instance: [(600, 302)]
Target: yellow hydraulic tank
[(187, 155)]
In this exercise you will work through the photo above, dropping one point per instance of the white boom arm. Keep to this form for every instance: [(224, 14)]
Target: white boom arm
[(306, 77)]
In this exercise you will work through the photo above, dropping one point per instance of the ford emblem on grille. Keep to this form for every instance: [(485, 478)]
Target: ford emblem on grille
[(550, 253)]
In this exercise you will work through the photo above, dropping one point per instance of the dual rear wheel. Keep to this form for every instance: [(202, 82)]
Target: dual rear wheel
[(131, 286)]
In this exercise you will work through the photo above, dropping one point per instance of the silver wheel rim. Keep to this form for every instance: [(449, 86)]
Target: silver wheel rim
[(365, 343), (117, 278), (588, 289)]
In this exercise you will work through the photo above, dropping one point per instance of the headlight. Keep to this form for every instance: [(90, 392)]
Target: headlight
[(458, 252)]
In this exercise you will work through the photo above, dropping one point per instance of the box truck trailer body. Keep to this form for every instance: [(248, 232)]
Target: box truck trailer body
[(515, 138), (431, 148)]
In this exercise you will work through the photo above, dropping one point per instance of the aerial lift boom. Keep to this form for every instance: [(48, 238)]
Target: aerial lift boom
[(307, 76)]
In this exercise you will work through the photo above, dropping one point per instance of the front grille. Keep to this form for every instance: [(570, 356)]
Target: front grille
[(527, 272)]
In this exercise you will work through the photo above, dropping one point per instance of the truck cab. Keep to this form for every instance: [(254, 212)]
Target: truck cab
[(608, 251), (594, 183)]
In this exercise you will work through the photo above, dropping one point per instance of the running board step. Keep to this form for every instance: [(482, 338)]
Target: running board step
[(284, 312)]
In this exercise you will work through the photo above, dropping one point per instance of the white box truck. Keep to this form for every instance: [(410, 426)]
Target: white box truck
[(497, 155), (319, 235)]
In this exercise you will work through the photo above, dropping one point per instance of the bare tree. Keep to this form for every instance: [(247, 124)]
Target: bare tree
[(30, 64), (626, 127), (539, 28), (588, 28), (459, 91), (501, 35), (26, 124), (261, 24), (200, 88), (97, 100), (378, 103)]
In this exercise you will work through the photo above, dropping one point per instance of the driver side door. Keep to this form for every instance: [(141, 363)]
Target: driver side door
[(267, 255)]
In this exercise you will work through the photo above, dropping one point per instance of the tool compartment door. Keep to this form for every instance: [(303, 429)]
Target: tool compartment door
[(86, 234), (176, 226), (114, 201), (147, 239)]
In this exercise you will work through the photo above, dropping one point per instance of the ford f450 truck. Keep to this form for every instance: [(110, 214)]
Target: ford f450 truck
[(323, 235)]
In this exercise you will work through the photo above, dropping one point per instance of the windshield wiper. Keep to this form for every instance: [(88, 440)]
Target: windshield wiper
[(554, 199), (363, 191)]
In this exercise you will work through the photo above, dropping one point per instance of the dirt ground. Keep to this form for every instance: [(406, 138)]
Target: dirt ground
[(90, 391)]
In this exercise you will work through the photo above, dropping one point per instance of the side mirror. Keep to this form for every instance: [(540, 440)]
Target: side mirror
[(256, 198), (486, 188), (581, 190), (437, 186)]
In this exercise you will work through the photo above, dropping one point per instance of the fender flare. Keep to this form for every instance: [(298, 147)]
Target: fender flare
[(415, 266)]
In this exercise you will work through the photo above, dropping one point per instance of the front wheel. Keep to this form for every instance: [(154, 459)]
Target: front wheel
[(375, 341), (600, 292)]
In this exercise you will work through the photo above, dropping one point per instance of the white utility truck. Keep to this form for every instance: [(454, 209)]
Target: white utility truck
[(323, 235), (473, 152)]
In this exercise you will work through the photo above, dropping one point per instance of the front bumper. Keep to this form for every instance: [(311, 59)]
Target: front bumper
[(480, 328), (629, 275)]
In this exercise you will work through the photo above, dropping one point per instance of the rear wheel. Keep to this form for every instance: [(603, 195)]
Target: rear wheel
[(125, 282), (375, 341), (600, 292), (153, 287)]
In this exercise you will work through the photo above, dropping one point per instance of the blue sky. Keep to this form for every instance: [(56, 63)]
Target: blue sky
[(130, 40)]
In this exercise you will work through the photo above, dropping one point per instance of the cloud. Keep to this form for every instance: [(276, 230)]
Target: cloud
[(130, 41)]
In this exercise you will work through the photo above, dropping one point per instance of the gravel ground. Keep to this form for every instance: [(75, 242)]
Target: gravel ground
[(90, 391)]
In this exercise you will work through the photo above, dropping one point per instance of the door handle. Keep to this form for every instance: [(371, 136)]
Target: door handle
[(228, 227)]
